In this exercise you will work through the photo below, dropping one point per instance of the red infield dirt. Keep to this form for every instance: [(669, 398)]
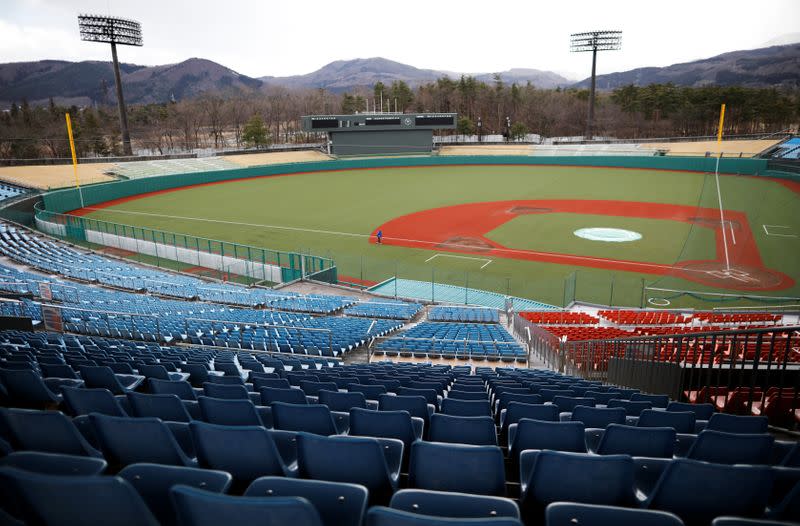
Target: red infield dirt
[(462, 228)]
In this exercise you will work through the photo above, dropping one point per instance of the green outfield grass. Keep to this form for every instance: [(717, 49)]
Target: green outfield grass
[(333, 213)]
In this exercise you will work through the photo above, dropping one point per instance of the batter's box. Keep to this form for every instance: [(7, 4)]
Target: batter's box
[(779, 231)]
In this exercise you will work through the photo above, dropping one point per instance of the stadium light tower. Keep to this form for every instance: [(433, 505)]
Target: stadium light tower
[(594, 41), (95, 28)]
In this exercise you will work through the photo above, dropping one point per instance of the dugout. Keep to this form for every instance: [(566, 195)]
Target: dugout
[(379, 133)]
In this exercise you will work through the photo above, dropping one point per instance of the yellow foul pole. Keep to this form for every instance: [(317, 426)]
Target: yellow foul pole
[(719, 132), (723, 226), (74, 158)]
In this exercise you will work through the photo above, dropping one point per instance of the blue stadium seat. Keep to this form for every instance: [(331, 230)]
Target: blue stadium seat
[(314, 418), (290, 395), (126, 441), (82, 401), (474, 430), (280, 383), (387, 424), (86, 500), (45, 431), (246, 452), (658, 442), (598, 417), (515, 411), (454, 505), (680, 421), (204, 508), (104, 377), (572, 514), (229, 412), (466, 407), (737, 424), (657, 400), (553, 476), (740, 521), (697, 492), (181, 389), (631, 408), (372, 392), (415, 406), (338, 503), (540, 434), (455, 394), (732, 448), (381, 516), (25, 388), (229, 392), (567, 403), (457, 467), (374, 463), (167, 407), (54, 463), (344, 402), (154, 481), (701, 411)]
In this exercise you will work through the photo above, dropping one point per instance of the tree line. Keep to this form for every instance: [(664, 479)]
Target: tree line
[(256, 119)]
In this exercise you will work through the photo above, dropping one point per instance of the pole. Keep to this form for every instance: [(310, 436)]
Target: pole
[(123, 116), (74, 158), (590, 119), (719, 192)]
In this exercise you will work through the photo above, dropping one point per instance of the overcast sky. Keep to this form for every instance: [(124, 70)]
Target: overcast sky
[(265, 37)]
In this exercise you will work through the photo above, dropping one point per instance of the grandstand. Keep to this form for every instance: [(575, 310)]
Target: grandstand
[(132, 394)]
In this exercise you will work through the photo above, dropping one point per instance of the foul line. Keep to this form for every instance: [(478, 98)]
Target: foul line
[(487, 260), (386, 238)]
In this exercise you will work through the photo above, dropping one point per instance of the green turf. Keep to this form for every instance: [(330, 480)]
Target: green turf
[(333, 213), (662, 240)]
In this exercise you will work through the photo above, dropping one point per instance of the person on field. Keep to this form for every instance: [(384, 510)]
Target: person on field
[(380, 237)]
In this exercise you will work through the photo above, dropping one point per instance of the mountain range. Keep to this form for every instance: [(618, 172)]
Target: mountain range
[(88, 82)]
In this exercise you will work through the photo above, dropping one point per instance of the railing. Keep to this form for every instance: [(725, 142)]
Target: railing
[(541, 343), (747, 371)]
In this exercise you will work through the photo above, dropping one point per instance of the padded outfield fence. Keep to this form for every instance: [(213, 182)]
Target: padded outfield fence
[(196, 254)]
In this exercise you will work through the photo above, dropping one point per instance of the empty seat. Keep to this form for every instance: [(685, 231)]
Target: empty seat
[(539, 434), (373, 463), (387, 424), (732, 448), (680, 421), (46, 431), (279, 383), (82, 401), (598, 417), (518, 410), (153, 483), (86, 500), (631, 408), (697, 492), (344, 402), (526, 398), (568, 403), (457, 467), (655, 399), (104, 377), (291, 395), (451, 504), (311, 388), (338, 503), (54, 463), (552, 476), (126, 441), (181, 389), (466, 407), (738, 424), (467, 395), (229, 412), (246, 452), (415, 405), (314, 418), (656, 442), (27, 389), (372, 392), (701, 411), (475, 430), (381, 516), (167, 407), (205, 508), (572, 514), (229, 392)]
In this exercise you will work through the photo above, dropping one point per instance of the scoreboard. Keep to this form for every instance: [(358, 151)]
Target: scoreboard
[(379, 133)]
